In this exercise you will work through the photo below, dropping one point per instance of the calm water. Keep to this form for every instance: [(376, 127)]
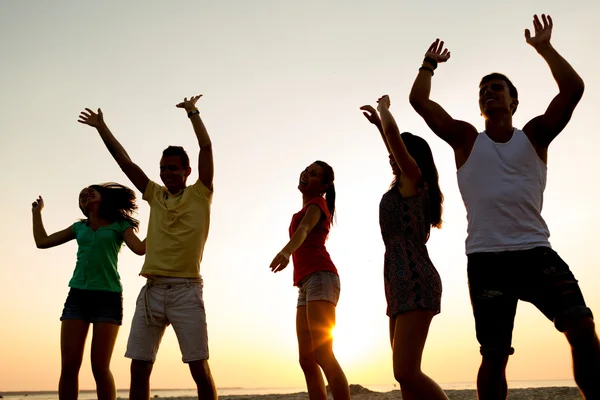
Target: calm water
[(90, 394)]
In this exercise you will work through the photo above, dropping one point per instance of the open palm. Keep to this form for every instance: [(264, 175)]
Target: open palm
[(542, 29), (437, 51)]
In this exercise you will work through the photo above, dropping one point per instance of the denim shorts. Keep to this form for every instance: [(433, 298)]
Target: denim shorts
[(320, 285), (94, 306), (497, 281)]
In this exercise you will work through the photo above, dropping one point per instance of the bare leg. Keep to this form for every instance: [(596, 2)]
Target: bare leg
[(585, 350), (321, 321), (312, 373), (140, 380), (204, 380), (409, 336), (491, 379), (103, 343), (73, 333)]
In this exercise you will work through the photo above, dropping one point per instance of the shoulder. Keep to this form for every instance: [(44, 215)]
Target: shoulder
[(153, 190), (200, 189), (318, 204)]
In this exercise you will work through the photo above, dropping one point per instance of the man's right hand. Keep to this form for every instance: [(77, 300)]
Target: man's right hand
[(437, 52), (90, 118)]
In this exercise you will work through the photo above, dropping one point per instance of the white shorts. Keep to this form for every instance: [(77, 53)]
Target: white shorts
[(163, 301)]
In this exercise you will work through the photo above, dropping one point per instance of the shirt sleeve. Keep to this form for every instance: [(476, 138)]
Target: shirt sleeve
[(322, 204), (124, 225), (153, 190), (201, 190)]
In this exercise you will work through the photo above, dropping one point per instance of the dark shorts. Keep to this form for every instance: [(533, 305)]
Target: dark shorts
[(497, 281), (94, 306)]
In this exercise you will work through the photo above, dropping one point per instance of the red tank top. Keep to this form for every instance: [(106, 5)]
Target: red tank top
[(312, 256)]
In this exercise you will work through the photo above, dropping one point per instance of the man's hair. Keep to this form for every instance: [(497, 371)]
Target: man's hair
[(512, 90), (177, 151)]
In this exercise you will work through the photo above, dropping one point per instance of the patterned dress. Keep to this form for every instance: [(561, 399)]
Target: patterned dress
[(411, 280)]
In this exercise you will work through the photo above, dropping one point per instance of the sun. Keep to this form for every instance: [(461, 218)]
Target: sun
[(351, 345)]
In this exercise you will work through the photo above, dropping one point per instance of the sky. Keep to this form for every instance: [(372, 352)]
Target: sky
[(282, 83)]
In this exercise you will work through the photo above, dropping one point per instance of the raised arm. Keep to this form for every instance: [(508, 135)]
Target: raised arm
[(310, 220), (439, 121), (407, 164), (205, 158), (133, 172), (544, 128), (42, 240), (372, 116)]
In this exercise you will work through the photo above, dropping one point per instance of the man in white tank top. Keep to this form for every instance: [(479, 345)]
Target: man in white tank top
[(502, 176)]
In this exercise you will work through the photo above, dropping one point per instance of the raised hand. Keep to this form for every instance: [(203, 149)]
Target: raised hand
[(437, 52), (371, 115), (90, 118), (383, 102), (188, 105), (37, 205), (543, 32), (281, 260)]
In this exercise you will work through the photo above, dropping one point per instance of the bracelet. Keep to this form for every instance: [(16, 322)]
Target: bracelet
[(424, 68), (431, 61), (193, 112)]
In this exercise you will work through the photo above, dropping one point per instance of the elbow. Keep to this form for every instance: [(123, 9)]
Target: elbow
[(579, 88), (41, 245), (416, 101), (206, 145)]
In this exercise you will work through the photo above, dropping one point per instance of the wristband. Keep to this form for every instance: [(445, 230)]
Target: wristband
[(424, 68), (431, 61), (193, 112)]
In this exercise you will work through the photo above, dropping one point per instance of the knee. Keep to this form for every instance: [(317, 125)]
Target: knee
[(200, 371), (140, 370), (100, 369), (307, 361), (405, 374), (70, 367), (581, 332)]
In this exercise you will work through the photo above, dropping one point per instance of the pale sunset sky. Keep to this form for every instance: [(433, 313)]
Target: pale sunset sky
[(282, 82)]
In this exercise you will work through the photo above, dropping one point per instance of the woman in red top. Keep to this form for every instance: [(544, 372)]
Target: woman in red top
[(317, 280)]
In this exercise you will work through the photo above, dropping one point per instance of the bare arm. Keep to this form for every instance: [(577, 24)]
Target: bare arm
[(544, 128), (438, 120), (205, 158), (42, 240), (133, 242), (133, 172), (407, 164), (310, 220), (371, 115)]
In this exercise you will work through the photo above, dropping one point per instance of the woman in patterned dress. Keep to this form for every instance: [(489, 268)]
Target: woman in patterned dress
[(413, 288)]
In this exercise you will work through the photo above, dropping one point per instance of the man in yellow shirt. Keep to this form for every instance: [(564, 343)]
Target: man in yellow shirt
[(177, 231)]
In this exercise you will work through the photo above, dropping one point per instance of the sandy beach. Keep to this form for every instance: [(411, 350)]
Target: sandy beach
[(360, 393)]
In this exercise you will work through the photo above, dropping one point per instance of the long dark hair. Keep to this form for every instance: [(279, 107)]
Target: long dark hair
[(419, 149), (117, 203), (328, 178)]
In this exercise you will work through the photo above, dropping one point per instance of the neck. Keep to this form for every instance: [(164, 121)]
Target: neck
[(499, 127), (95, 219), (306, 197)]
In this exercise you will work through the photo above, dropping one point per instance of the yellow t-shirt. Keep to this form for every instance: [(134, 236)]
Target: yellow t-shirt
[(177, 230)]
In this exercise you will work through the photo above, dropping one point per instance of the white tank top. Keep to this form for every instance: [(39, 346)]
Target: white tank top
[(502, 186)]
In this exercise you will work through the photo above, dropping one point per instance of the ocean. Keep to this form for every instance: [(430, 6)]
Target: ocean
[(124, 393)]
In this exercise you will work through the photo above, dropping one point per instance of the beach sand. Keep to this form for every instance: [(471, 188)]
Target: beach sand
[(358, 392)]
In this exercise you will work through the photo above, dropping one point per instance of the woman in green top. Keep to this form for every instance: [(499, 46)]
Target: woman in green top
[(95, 296)]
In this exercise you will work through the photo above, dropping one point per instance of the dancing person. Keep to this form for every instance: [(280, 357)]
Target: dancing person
[(95, 295), (502, 176), (177, 232), (317, 280)]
